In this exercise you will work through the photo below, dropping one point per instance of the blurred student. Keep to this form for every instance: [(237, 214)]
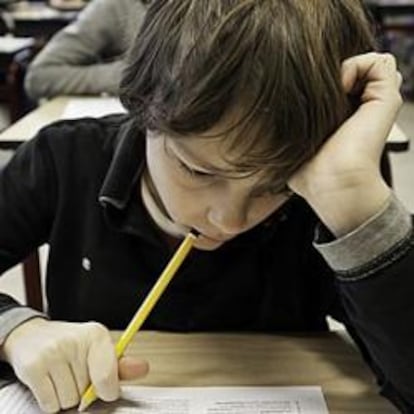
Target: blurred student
[(260, 124), (85, 58)]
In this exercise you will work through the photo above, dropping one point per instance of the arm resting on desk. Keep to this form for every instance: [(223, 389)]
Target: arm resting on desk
[(73, 62), (377, 288)]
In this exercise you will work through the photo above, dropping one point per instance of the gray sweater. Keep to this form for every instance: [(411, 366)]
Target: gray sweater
[(85, 58)]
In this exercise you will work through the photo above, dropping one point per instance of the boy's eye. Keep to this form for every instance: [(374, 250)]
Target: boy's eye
[(192, 172)]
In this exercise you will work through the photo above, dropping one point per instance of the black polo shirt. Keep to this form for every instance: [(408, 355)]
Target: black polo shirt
[(76, 187)]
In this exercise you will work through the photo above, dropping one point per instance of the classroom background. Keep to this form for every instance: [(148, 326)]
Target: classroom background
[(33, 23)]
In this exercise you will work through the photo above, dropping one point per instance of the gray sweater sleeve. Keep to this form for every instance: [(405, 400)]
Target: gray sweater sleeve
[(14, 317), (391, 225), (86, 56)]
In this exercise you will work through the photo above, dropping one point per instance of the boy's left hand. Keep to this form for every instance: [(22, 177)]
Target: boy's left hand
[(342, 182)]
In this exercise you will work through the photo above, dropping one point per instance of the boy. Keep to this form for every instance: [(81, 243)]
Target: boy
[(242, 125)]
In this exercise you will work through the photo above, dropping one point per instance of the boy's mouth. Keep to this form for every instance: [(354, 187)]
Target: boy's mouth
[(216, 239)]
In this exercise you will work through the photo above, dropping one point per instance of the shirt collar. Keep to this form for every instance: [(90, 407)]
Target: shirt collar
[(119, 194), (126, 166)]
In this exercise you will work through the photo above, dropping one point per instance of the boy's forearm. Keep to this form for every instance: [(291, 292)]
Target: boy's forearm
[(343, 210)]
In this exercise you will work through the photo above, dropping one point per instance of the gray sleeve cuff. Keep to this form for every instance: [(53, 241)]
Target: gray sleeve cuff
[(372, 238), (14, 317)]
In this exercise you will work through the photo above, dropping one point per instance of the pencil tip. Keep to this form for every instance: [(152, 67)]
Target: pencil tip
[(82, 406)]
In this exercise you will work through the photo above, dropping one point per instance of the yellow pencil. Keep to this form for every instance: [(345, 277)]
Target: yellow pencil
[(141, 315)]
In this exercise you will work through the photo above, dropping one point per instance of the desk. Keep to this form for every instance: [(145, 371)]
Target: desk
[(37, 19), (382, 10), (30, 124), (240, 359), (52, 111), (392, 7)]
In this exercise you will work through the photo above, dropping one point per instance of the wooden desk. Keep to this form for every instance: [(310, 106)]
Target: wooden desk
[(280, 360), (38, 19), (383, 10), (392, 7), (68, 5), (30, 124), (52, 111)]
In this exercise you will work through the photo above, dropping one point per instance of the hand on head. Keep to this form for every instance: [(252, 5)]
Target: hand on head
[(58, 360), (346, 170)]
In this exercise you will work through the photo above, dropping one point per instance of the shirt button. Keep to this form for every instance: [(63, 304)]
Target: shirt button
[(283, 218), (86, 264)]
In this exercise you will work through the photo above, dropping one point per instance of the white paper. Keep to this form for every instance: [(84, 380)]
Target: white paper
[(92, 107), (15, 399)]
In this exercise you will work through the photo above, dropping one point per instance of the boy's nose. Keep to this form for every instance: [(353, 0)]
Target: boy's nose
[(230, 220)]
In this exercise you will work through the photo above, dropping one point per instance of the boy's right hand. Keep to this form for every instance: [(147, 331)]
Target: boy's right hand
[(58, 360)]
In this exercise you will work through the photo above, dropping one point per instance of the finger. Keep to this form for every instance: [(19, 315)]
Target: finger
[(103, 364), (44, 392), (380, 98), (368, 67), (80, 373), (76, 352), (130, 368), (37, 379), (399, 79), (65, 384), (383, 82), (351, 71)]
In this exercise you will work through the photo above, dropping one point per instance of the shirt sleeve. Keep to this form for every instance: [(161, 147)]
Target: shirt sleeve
[(12, 318), (390, 226), (28, 197), (374, 267)]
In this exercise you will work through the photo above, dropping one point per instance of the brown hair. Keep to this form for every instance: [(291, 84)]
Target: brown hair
[(275, 62)]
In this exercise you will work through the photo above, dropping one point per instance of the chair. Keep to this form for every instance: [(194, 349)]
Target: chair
[(12, 84), (33, 282)]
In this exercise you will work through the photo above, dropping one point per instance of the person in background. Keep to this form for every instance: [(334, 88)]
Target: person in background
[(85, 58), (258, 123)]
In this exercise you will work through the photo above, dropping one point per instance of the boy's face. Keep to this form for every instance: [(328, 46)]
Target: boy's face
[(200, 190)]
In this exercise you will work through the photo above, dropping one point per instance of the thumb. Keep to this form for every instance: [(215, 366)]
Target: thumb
[(131, 368)]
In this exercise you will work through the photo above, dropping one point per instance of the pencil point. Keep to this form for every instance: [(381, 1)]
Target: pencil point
[(82, 406)]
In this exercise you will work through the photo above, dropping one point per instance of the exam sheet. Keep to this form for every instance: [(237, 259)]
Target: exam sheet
[(15, 399)]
